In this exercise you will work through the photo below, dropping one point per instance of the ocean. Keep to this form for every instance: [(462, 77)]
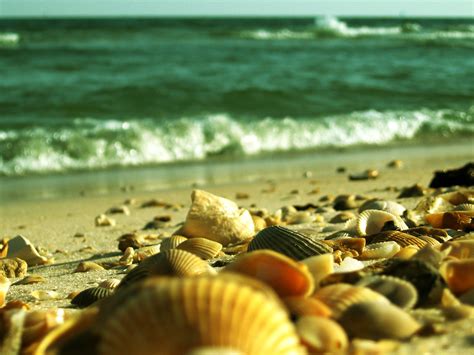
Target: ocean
[(95, 94)]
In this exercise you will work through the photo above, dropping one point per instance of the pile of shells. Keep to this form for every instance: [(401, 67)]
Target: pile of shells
[(234, 281)]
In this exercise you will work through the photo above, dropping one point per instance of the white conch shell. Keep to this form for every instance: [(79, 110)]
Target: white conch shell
[(217, 218), (21, 247)]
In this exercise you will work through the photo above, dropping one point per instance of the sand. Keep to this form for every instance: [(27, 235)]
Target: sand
[(63, 224)]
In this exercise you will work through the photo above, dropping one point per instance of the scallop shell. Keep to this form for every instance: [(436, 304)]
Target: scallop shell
[(321, 335), (217, 218), (109, 283), (380, 250), (400, 292), (288, 242), (340, 296), (145, 252), (91, 295), (373, 221), (306, 306), (202, 247), (197, 312), (401, 238), (382, 205), (436, 233), (372, 320), (172, 242), (319, 266), (284, 275), (459, 275), (4, 287), (173, 262)]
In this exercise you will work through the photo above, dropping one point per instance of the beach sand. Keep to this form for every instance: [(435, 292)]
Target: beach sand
[(63, 224)]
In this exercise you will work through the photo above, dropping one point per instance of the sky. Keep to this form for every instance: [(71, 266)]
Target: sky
[(58, 8)]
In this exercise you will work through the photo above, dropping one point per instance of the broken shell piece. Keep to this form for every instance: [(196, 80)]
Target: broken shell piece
[(217, 219), (103, 221), (21, 247), (13, 267), (202, 247), (43, 295), (109, 283), (4, 286), (458, 274), (32, 279), (375, 320), (86, 266), (119, 209), (380, 250), (321, 335)]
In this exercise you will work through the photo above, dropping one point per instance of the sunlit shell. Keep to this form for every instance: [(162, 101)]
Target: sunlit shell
[(400, 292), (202, 247), (375, 320), (197, 312), (91, 295), (453, 220), (382, 205), (31, 279), (216, 218), (21, 247), (284, 275), (321, 335), (172, 242), (130, 240), (401, 238), (288, 242), (339, 297), (43, 295), (461, 249), (173, 262), (145, 252), (436, 233), (380, 250), (458, 197), (103, 221), (319, 266), (109, 283), (348, 265), (433, 204), (347, 244), (4, 286), (458, 274), (87, 266), (407, 252), (373, 221), (306, 306)]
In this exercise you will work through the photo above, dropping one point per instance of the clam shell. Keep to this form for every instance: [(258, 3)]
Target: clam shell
[(382, 205), (400, 292), (373, 221), (203, 311), (401, 238), (321, 335), (319, 266), (380, 250), (348, 265), (288, 242), (372, 320), (339, 297), (217, 218), (173, 262), (306, 306), (202, 247), (91, 295), (172, 242), (459, 275), (284, 275)]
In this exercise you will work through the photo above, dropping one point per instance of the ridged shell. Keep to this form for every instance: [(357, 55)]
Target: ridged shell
[(174, 316), (172, 242), (145, 252), (381, 205), (321, 335), (373, 221), (202, 247), (429, 241), (306, 306), (401, 238), (109, 283), (380, 250), (173, 262), (400, 292), (91, 295), (459, 275), (339, 297), (284, 275), (439, 234), (372, 320), (288, 242), (464, 207)]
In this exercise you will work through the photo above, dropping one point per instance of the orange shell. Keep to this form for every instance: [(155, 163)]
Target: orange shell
[(453, 220), (306, 306), (202, 247), (459, 275), (461, 249)]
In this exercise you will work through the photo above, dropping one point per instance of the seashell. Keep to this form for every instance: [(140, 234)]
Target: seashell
[(21, 247), (461, 249), (401, 238), (145, 252), (259, 223), (458, 197), (103, 221), (453, 220), (319, 266), (438, 234), (32, 279), (282, 274), (465, 207), (370, 347), (43, 295), (127, 257), (380, 250), (458, 274), (288, 242), (382, 205), (154, 203), (86, 266), (343, 244), (173, 262), (3, 248), (368, 174), (217, 219), (348, 265), (373, 221), (345, 202), (412, 191), (433, 204), (321, 335), (202, 247), (430, 255), (37, 324), (375, 320), (4, 286), (172, 242), (300, 217), (342, 217), (400, 292), (340, 296), (396, 164), (209, 311), (118, 209), (458, 312), (407, 252), (13, 267), (91, 295), (111, 284), (130, 240), (306, 306)]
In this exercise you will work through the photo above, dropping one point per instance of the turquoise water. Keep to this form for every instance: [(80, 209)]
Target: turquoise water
[(95, 94)]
